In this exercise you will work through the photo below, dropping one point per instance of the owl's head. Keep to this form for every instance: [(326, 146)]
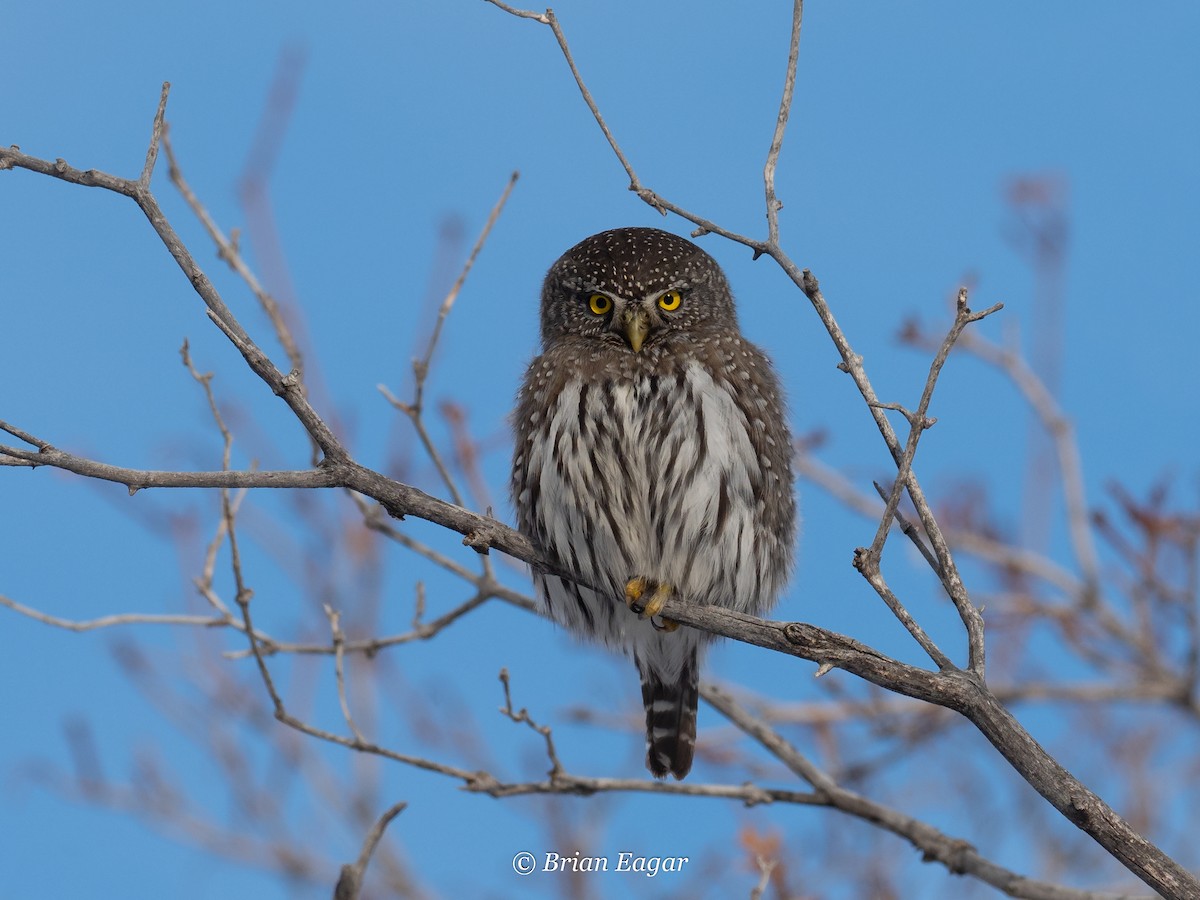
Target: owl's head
[(633, 289)]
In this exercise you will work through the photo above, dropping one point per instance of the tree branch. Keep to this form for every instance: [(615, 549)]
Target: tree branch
[(349, 884), (958, 856), (785, 107)]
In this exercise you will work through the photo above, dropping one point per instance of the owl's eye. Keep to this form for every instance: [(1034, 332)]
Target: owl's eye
[(670, 300), (599, 304)]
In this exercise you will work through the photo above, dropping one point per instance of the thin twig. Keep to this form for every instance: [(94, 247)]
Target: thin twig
[(349, 884), (785, 108), (141, 479), (704, 226), (908, 529), (963, 539), (421, 367), (869, 567), (765, 868), (156, 135), (868, 561), (205, 381), (523, 716), (115, 619), (339, 656), (416, 409), (204, 583), (228, 250), (259, 362)]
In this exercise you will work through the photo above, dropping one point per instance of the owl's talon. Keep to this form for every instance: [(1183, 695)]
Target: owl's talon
[(635, 591), (658, 600), (634, 588), (667, 625)]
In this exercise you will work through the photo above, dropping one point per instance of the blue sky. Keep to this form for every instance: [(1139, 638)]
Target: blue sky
[(909, 121)]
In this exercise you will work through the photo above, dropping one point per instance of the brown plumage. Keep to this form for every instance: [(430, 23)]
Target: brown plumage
[(653, 459)]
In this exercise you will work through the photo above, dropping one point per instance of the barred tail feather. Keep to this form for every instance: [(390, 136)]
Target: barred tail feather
[(671, 719)]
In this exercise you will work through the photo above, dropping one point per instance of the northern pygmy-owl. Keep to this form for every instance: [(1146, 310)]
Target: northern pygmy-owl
[(652, 459)]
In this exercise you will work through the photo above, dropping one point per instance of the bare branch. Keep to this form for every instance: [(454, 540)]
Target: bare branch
[(117, 619), (704, 226), (156, 136), (909, 530), (339, 657), (205, 381), (869, 567), (522, 13), (785, 108), (349, 884), (227, 250), (140, 479), (415, 410), (259, 363), (523, 716), (867, 561), (422, 367), (765, 868), (958, 856)]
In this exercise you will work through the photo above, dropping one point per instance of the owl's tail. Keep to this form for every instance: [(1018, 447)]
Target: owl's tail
[(671, 719)]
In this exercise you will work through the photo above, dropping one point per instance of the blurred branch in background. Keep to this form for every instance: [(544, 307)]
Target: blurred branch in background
[(1040, 232)]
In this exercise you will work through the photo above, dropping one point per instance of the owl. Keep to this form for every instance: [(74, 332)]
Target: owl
[(653, 460)]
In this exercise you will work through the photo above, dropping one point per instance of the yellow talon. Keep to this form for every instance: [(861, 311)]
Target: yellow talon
[(658, 600), (635, 590)]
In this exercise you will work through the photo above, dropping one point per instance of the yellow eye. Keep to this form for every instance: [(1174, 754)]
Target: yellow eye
[(670, 300), (599, 304)]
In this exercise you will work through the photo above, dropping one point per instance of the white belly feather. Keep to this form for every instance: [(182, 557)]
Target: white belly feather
[(654, 481)]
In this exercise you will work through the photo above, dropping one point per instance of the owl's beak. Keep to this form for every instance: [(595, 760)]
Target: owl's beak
[(635, 324)]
